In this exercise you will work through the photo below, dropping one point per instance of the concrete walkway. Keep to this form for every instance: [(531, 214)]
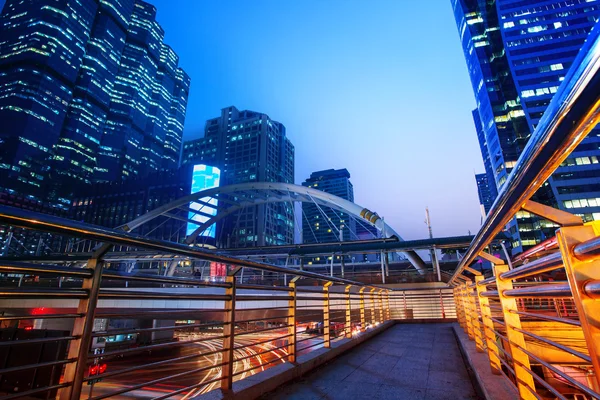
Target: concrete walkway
[(408, 361)]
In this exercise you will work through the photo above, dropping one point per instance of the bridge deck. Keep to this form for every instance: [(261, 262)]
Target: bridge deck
[(408, 361)]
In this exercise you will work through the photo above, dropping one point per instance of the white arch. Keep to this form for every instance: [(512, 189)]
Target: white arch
[(255, 193)]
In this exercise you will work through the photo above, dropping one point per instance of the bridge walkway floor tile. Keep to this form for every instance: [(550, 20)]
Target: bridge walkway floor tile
[(407, 361)]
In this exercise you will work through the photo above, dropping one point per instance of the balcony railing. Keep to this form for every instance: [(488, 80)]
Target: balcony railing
[(95, 333), (540, 322)]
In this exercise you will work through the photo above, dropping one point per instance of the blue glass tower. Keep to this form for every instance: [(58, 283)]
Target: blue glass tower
[(248, 146), (512, 48), (88, 92)]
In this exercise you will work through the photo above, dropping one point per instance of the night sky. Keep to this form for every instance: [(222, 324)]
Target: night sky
[(379, 87)]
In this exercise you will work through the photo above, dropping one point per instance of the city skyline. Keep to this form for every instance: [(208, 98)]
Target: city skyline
[(370, 112)]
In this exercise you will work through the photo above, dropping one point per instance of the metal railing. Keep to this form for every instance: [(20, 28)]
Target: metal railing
[(539, 323), (91, 332)]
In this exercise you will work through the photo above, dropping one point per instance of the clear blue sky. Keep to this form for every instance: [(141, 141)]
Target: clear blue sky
[(378, 87)]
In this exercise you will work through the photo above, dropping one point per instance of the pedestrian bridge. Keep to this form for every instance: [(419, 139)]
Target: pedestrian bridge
[(529, 328)]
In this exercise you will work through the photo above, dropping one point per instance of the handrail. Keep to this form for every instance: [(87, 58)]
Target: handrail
[(570, 116), (543, 264), (49, 223)]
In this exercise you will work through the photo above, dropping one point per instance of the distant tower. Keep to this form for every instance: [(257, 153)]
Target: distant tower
[(248, 146)]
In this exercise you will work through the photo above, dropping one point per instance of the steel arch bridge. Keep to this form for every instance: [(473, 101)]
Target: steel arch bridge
[(232, 198)]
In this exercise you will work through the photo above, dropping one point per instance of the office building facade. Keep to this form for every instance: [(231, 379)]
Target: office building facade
[(485, 195), (248, 146), (517, 54), (323, 224), (88, 92)]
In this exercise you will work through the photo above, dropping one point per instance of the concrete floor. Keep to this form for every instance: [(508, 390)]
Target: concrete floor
[(408, 361)]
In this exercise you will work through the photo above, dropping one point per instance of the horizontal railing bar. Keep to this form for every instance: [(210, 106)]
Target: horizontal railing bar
[(155, 381), (37, 365), (487, 281), (541, 265), (118, 294), (260, 353), (262, 330), (162, 328), (592, 289), (151, 365), (37, 293), (490, 293), (48, 223), (237, 310), (43, 316), (261, 342), (262, 319), (540, 380), (153, 347), (37, 341), (261, 287), (262, 298), (17, 267), (557, 345), (548, 318), (155, 313), (31, 392), (550, 290), (161, 279), (572, 381)]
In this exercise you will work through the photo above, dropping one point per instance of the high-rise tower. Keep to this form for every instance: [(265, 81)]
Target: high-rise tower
[(517, 54), (248, 146), (322, 225), (88, 91)]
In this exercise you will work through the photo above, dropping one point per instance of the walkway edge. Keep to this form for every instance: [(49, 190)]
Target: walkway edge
[(269, 380), (488, 385)]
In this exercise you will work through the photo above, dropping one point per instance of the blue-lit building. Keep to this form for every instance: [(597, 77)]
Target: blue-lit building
[(248, 146), (88, 92), (323, 225), (517, 54), (485, 194)]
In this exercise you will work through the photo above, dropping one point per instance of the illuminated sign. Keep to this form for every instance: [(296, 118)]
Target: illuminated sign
[(203, 177)]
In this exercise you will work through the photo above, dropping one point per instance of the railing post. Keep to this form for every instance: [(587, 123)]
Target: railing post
[(326, 319), (442, 305), (291, 348), (488, 327), (459, 314), (477, 331), (516, 340), (348, 324), (387, 306), (361, 296), (381, 312), (229, 335), (579, 272), (468, 311), (405, 305), (82, 328), (373, 318)]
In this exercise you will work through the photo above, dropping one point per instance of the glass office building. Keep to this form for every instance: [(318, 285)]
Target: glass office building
[(248, 146), (88, 92), (517, 53), (324, 224)]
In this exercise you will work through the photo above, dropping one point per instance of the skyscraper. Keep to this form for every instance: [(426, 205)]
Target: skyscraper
[(517, 54), (248, 146), (322, 225), (483, 190), (88, 91)]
